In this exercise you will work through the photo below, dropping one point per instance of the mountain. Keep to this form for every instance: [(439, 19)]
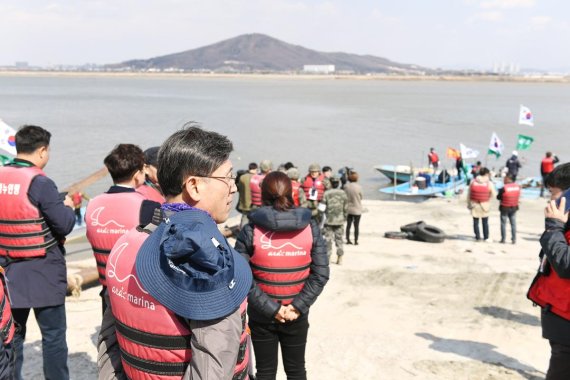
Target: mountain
[(262, 53)]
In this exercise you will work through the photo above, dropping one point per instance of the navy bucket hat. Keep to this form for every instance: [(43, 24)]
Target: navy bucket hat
[(189, 267)]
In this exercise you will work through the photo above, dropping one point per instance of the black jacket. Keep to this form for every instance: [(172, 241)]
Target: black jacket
[(513, 164), (557, 251), (261, 307)]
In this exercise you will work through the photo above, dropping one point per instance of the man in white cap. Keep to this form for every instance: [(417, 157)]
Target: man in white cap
[(513, 165)]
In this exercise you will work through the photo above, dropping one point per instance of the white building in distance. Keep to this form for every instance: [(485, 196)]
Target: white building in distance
[(318, 69)]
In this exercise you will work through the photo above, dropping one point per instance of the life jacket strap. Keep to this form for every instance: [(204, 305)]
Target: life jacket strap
[(280, 270), (22, 221), (43, 232), (157, 368), (143, 338), (281, 283), (48, 244)]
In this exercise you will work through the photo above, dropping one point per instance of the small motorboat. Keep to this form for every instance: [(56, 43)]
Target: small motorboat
[(410, 189), (402, 173)]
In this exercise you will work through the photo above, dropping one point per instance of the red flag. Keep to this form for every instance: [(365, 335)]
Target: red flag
[(453, 153)]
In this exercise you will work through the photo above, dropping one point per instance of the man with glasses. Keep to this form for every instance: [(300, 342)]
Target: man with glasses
[(193, 282)]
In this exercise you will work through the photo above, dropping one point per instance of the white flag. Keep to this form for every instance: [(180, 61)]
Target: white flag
[(525, 116), (7, 138), (468, 152), (496, 146)]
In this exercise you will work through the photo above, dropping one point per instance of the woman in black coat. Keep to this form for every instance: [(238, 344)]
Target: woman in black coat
[(288, 257)]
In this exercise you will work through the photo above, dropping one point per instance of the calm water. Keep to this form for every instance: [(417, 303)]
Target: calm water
[(357, 123)]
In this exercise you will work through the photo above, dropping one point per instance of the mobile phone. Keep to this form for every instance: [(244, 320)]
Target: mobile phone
[(566, 195)]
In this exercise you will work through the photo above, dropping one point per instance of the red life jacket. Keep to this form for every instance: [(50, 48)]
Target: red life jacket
[(318, 184), (479, 192), (547, 165), (511, 195), (433, 158), (108, 217), (23, 230), (280, 262), (7, 328), (296, 186), (551, 291), (255, 187), (154, 342), (77, 199), (151, 193)]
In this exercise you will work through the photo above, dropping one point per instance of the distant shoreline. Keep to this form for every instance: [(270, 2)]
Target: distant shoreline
[(457, 78)]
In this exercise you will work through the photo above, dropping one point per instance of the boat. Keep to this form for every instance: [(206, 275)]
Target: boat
[(530, 187), (402, 173), (433, 190)]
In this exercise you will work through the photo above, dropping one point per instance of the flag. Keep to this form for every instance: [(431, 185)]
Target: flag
[(453, 153), (7, 138), (468, 152), (523, 142), (496, 146), (525, 116)]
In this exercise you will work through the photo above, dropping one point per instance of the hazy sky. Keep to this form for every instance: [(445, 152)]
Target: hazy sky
[(433, 33)]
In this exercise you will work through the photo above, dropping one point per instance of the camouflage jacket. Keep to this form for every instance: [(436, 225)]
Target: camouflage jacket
[(337, 203)]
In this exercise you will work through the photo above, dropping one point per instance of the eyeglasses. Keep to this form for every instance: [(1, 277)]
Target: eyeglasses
[(229, 180)]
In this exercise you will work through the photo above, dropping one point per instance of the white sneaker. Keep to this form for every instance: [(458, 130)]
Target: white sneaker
[(488, 241)]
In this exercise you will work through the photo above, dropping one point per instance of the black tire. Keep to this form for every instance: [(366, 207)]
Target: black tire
[(396, 235), (412, 227), (430, 234)]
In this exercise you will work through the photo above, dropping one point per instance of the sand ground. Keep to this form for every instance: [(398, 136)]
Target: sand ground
[(398, 309)]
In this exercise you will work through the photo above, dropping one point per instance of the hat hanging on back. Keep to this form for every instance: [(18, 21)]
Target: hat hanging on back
[(151, 156), (189, 267)]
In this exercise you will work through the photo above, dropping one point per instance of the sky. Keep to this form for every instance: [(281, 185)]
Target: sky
[(457, 34)]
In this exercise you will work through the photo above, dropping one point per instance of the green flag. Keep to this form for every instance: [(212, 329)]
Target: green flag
[(523, 142), (4, 160)]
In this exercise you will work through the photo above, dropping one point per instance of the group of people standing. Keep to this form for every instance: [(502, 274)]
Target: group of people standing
[(332, 200), (481, 191), (175, 294)]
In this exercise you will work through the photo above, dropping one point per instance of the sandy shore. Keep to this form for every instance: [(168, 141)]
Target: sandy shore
[(399, 309), (546, 78)]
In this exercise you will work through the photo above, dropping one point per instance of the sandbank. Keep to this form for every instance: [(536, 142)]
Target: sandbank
[(398, 309), (291, 76)]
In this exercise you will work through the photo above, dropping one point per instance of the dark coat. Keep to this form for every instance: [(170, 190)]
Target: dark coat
[(513, 165), (42, 281), (261, 307), (557, 251)]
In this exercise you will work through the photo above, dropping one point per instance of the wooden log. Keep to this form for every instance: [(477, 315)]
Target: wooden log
[(83, 279), (85, 182)]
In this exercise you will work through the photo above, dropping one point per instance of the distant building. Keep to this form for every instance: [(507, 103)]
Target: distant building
[(22, 65), (318, 69), (509, 68)]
